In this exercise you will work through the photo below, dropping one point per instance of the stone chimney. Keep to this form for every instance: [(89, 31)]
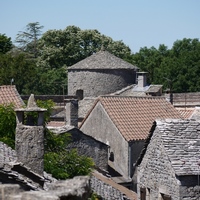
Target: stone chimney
[(72, 112), (29, 138), (142, 79)]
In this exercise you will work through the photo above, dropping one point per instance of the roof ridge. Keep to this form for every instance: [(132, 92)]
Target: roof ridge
[(103, 60), (131, 97)]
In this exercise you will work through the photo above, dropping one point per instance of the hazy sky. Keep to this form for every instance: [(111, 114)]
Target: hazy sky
[(138, 23)]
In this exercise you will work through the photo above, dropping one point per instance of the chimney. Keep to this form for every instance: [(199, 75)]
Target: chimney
[(142, 79), (29, 138), (72, 112)]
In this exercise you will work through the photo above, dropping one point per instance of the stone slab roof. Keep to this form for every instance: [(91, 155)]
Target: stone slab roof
[(102, 60), (181, 140), (85, 105), (9, 94), (133, 90), (13, 172), (7, 154), (133, 116)]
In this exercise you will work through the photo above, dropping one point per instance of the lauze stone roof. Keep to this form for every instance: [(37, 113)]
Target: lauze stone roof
[(181, 140), (9, 94), (133, 116), (12, 171), (102, 60)]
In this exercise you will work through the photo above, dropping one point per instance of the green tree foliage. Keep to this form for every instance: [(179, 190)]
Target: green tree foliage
[(7, 125), (58, 161), (5, 44), (68, 46), (177, 68), (52, 81), (20, 69), (62, 163), (28, 39)]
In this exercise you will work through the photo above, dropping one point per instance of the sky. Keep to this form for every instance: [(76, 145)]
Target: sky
[(138, 23)]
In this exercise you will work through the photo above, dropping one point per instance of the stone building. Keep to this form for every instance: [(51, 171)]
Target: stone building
[(101, 73), (85, 145), (123, 123), (169, 167), (22, 173)]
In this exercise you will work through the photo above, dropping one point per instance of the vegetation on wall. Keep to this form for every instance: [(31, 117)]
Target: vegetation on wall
[(58, 161), (62, 163)]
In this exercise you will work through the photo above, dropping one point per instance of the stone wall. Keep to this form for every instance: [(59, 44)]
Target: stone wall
[(90, 147), (155, 173), (99, 82), (108, 191), (99, 126), (29, 147), (190, 187), (77, 188)]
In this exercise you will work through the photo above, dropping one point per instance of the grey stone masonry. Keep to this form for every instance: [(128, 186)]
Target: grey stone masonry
[(90, 147), (29, 147), (29, 138), (77, 188), (108, 189), (99, 74), (72, 112), (170, 165)]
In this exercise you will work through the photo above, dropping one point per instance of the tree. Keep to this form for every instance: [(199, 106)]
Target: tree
[(149, 60), (28, 39), (68, 46), (58, 161), (7, 125), (62, 163), (20, 69), (177, 68), (5, 44)]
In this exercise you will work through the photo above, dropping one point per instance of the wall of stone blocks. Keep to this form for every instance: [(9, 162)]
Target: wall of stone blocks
[(90, 147), (99, 82), (29, 146), (155, 172), (77, 188), (106, 191), (190, 187)]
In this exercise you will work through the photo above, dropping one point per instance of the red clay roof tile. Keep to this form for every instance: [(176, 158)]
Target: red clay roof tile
[(133, 116), (9, 94)]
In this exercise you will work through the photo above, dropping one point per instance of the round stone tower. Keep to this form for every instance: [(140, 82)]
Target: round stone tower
[(101, 73)]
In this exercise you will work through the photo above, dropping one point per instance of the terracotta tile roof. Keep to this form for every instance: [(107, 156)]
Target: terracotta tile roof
[(56, 123), (186, 112), (9, 94), (133, 116), (102, 60)]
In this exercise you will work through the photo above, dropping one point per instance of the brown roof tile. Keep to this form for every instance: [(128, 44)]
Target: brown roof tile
[(133, 116), (186, 112), (9, 94)]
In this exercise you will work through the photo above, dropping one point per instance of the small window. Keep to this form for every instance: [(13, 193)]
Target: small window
[(79, 94), (142, 193), (111, 158)]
